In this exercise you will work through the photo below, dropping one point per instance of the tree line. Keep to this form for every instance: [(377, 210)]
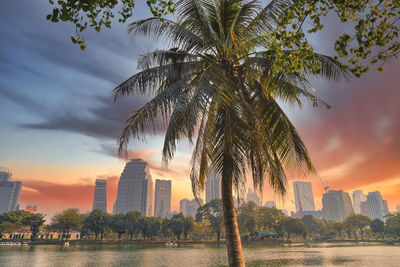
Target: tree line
[(255, 223)]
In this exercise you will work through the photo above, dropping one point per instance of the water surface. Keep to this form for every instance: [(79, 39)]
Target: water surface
[(323, 254)]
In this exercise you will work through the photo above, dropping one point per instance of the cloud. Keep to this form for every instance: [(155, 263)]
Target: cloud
[(52, 197)]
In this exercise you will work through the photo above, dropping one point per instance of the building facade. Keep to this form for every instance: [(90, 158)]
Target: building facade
[(336, 205), (270, 204), (358, 196), (100, 195), (9, 192), (303, 196), (135, 189), (398, 208), (253, 197), (162, 198), (189, 207), (213, 187), (377, 208)]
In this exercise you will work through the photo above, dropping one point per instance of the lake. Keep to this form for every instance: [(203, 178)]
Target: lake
[(316, 254)]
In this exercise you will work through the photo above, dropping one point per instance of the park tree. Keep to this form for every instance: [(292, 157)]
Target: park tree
[(212, 212), (68, 220), (119, 223), (97, 221), (393, 224), (150, 227), (177, 224), (294, 226), (338, 228), (268, 218), (132, 221), (188, 226), (165, 228), (34, 221), (378, 227), (357, 223), (248, 218)]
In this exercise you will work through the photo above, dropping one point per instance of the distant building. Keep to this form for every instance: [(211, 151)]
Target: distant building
[(171, 214), (364, 208), (9, 192), (162, 198), (377, 208), (28, 207), (286, 212), (398, 208), (183, 206), (336, 205), (358, 196), (213, 187), (270, 204), (238, 202), (303, 196), (189, 207), (253, 196), (135, 189), (100, 195)]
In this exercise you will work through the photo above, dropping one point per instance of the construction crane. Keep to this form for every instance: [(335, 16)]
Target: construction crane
[(324, 184)]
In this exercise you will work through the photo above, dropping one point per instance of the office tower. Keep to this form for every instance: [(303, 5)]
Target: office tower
[(398, 208), (189, 207), (9, 192), (213, 187), (183, 204), (385, 207), (376, 205), (162, 198), (336, 205), (270, 204), (253, 197), (303, 196), (364, 208), (358, 197), (100, 195), (135, 189)]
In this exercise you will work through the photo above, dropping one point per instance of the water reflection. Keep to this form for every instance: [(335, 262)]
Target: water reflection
[(199, 255)]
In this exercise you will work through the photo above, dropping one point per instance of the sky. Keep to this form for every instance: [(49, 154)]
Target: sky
[(58, 123)]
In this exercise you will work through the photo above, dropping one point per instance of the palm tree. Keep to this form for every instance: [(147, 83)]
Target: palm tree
[(215, 87)]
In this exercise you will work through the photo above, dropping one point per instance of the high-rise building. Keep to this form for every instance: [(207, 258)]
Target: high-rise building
[(135, 189), (336, 205), (377, 208), (303, 196), (270, 204), (213, 187), (100, 195), (189, 207), (358, 197), (162, 198), (9, 192), (364, 208), (398, 208), (253, 197), (183, 205)]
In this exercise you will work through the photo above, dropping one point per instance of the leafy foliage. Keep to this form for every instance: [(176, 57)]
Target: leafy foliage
[(67, 220), (98, 13), (34, 221), (97, 221), (357, 223), (212, 213)]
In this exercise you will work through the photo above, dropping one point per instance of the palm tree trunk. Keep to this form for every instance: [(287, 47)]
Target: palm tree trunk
[(234, 244)]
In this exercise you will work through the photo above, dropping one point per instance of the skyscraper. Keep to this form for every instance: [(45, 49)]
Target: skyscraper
[(376, 206), (358, 197), (100, 195), (189, 207), (270, 204), (303, 196), (183, 205), (9, 192), (135, 189), (213, 187), (398, 208), (253, 197), (162, 198), (336, 205)]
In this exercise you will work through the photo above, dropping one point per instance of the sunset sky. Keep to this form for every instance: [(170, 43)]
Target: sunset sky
[(58, 123)]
